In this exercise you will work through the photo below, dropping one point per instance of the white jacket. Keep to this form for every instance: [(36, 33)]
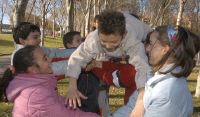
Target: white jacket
[(131, 45)]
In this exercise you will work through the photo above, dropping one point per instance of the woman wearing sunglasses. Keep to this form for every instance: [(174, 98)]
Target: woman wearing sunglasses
[(171, 55)]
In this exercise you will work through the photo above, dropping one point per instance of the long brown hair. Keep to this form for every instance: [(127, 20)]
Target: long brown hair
[(182, 50)]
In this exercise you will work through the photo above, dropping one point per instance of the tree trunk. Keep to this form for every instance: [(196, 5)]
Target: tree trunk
[(197, 15), (4, 5), (1, 26), (99, 7), (94, 8), (54, 18), (34, 16), (1, 20), (87, 17), (32, 8), (43, 8), (180, 13), (70, 17), (61, 32), (19, 11), (83, 29), (197, 94), (105, 4), (161, 12)]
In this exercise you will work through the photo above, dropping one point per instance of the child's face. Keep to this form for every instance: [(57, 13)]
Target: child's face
[(155, 50), (95, 24), (32, 39), (110, 42), (77, 40), (43, 65)]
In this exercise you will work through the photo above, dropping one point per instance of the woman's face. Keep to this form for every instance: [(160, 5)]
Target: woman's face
[(155, 50), (42, 63)]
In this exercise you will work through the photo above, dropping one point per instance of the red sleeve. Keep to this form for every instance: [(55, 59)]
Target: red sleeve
[(58, 59), (126, 71)]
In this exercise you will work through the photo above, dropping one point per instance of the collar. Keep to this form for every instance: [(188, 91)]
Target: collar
[(161, 77), (18, 46)]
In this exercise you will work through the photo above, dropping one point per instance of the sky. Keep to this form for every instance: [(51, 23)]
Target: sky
[(6, 19)]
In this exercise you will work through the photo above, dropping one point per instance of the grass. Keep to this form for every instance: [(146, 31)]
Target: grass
[(116, 95), (7, 44)]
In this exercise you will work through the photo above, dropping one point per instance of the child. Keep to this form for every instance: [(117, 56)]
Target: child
[(95, 23), (118, 35), (31, 86), (29, 34), (72, 39), (171, 55)]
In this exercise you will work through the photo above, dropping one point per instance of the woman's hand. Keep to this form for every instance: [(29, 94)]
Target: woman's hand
[(138, 110)]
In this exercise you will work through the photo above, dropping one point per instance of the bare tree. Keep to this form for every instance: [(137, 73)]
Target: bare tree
[(95, 8), (54, 5), (19, 11), (31, 10), (44, 9), (43, 6), (70, 15), (86, 12), (157, 11), (105, 4), (99, 6), (180, 13), (87, 16), (197, 15), (60, 16), (3, 7)]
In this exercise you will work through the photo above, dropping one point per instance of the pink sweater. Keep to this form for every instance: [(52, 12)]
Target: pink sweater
[(35, 95)]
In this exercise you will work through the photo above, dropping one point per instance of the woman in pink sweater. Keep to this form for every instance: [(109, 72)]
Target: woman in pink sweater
[(32, 87)]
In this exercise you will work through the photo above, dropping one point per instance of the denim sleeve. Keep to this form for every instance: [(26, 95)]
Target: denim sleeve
[(59, 68), (126, 110), (57, 53)]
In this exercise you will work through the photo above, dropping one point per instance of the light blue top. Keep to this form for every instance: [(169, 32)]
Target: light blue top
[(167, 96)]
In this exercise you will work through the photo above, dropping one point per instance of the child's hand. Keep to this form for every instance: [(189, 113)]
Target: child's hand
[(73, 94), (93, 64)]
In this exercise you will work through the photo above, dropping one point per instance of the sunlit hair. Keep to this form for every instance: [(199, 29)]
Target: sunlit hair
[(182, 51), (69, 37), (112, 22), (23, 30)]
